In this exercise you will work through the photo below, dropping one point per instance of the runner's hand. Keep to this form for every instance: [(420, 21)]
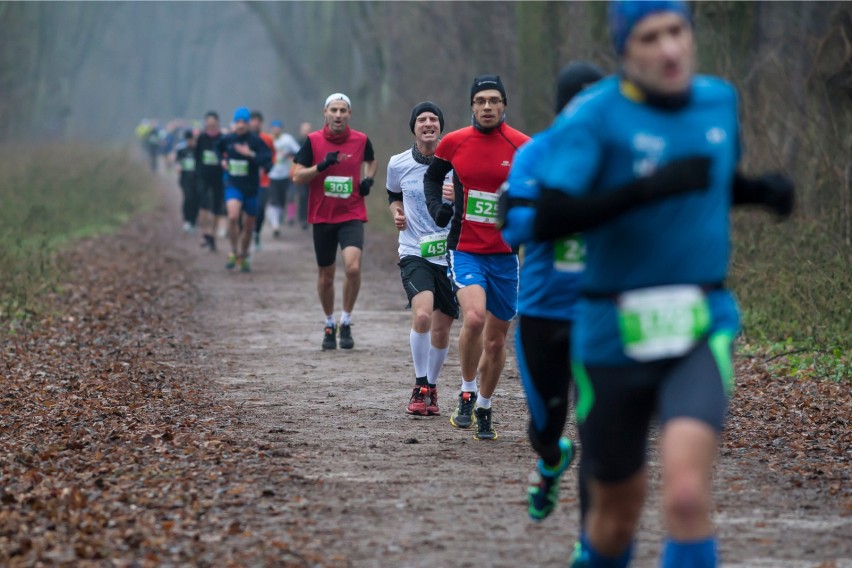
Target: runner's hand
[(399, 219), (778, 193), (243, 149), (448, 192), (330, 159), (677, 177), (364, 187)]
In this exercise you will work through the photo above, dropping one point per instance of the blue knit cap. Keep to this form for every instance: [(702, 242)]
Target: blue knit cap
[(277, 123), (242, 113), (625, 14)]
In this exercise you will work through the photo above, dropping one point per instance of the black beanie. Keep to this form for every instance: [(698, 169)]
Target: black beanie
[(425, 106), (486, 82), (572, 79)]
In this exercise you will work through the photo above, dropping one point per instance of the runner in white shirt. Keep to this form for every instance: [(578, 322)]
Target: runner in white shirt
[(280, 183), (422, 258)]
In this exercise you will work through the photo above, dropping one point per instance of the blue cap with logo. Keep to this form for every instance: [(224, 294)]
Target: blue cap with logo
[(625, 14)]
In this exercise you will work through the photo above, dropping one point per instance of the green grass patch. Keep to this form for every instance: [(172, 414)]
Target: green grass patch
[(51, 195), (794, 283)]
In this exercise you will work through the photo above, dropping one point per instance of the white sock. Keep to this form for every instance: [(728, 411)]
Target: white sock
[(274, 214), (436, 363), (469, 386), (329, 320), (482, 402), (420, 343), (345, 318)]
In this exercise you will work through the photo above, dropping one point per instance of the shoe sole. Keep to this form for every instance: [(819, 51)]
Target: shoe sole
[(453, 422), (486, 438), (347, 346), (423, 414)]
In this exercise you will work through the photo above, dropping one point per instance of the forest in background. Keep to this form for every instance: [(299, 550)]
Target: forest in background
[(71, 71)]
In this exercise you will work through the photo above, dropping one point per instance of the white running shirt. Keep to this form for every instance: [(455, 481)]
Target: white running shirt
[(421, 237), (284, 145)]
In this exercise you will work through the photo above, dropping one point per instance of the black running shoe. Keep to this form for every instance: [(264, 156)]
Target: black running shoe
[(346, 341), (462, 416), (484, 429), (329, 340)]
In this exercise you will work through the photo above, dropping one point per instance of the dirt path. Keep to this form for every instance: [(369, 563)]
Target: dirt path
[(390, 490)]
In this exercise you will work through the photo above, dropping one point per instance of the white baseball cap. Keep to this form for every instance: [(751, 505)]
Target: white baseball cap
[(338, 97)]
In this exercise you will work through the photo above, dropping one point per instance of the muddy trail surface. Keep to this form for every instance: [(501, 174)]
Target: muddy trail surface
[(164, 412), (385, 489)]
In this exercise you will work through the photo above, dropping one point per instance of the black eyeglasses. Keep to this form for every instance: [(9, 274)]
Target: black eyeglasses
[(493, 101)]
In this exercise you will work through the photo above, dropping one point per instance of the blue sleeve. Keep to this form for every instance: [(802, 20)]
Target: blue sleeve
[(520, 219), (571, 158)]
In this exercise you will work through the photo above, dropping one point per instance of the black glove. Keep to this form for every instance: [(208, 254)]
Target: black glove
[(364, 187), (330, 160), (676, 177), (778, 193), (445, 213)]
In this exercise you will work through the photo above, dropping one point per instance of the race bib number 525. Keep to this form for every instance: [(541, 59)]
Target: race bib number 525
[(481, 207)]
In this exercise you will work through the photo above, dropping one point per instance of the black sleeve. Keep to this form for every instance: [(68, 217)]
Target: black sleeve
[(433, 180), (773, 190), (305, 157), (197, 151), (394, 196), (369, 154), (558, 214), (221, 147), (262, 154)]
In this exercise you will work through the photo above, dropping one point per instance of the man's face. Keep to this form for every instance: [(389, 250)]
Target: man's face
[(211, 123), (660, 54), (275, 131), (337, 116), (427, 128), (488, 107), (255, 124), (241, 127)]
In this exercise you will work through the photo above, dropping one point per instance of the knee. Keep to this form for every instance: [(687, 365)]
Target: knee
[(326, 279), (422, 321), (495, 345), (474, 321), (440, 336), (686, 499), (353, 270)]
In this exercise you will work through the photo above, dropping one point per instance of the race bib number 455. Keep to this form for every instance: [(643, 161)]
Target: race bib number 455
[(481, 207), (662, 322), (433, 246), (337, 186)]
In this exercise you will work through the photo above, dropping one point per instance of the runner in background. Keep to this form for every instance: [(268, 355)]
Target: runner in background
[(422, 258), (339, 164), (185, 160), (280, 184), (298, 197), (209, 174), (256, 126), (243, 155), (549, 288)]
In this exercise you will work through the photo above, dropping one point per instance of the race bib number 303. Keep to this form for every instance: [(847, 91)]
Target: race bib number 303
[(338, 186), (433, 246), (662, 322), (481, 207), (569, 254)]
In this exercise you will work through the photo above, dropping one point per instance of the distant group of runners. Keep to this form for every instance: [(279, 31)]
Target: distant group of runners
[(621, 209)]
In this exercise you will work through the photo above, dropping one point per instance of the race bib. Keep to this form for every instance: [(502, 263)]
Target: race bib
[(481, 207), (434, 245), (569, 254), (188, 164), (662, 322), (238, 168), (338, 186), (208, 157)]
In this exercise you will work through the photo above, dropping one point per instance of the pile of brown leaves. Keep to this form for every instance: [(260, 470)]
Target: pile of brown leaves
[(799, 428), (113, 450)]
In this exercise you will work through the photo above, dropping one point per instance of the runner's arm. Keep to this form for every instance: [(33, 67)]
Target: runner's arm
[(262, 155), (558, 214), (433, 182), (304, 170)]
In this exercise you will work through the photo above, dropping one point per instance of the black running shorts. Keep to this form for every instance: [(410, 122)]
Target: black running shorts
[(420, 275), (211, 196), (615, 405), (328, 236), (278, 191)]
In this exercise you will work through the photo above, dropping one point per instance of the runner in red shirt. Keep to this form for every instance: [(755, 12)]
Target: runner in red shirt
[(338, 165), (482, 267)]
